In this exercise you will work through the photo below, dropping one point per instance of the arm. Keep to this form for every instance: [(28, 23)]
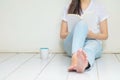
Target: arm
[(103, 35), (64, 30)]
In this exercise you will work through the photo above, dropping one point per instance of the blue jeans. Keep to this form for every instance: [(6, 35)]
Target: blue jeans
[(78, 39)]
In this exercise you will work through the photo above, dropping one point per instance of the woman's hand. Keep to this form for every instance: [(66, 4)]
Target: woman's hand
[(103, 35), (99, 36), (91, 34)]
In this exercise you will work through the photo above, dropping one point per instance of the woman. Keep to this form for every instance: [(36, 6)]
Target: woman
[(83, 43)]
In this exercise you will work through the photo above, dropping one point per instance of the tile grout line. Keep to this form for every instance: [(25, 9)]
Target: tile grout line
[(17, 67), (68, 76), (44, 66), (97, 70), (117, 57), (8, 58)]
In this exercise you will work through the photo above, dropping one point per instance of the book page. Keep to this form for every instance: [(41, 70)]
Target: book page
[(72, 20)]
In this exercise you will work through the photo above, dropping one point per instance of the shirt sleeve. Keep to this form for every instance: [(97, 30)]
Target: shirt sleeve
[(65, 12), (102, 13)]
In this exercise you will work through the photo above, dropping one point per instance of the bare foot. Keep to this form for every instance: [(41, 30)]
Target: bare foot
[(73, 63), (72, 68), (82, 61)]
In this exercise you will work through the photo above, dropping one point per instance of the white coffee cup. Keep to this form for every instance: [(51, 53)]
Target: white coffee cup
[(44, 53)]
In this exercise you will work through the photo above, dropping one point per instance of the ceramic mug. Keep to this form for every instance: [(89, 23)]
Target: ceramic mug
[(44, 53)]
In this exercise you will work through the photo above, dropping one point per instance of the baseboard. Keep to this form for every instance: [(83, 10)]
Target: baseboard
[(111, 52), (62, 52)]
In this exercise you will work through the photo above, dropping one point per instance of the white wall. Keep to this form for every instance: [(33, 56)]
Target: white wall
[(27, 25)]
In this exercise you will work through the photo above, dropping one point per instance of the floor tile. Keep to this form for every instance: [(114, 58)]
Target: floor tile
[(12, 64), (30, 70), (56, 69), (87, 75), (118, 57), (108, 67), (6, 56)]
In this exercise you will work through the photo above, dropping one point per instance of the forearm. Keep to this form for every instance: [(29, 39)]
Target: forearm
[(63, 35), (64, 30), (98, 36)]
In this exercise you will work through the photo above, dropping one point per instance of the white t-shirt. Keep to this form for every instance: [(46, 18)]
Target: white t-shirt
[(93, 15)]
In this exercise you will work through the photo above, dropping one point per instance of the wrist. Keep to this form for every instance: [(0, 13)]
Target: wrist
[(96, 35)]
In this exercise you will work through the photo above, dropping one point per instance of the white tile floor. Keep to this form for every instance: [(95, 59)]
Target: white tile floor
[(30, 67)]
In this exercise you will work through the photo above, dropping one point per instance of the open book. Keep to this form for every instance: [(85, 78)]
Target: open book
[(72, 20), (89, 18)]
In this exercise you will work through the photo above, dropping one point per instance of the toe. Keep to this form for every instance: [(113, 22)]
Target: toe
[(71, 68)]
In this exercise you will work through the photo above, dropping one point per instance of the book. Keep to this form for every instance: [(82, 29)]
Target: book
[(89, 18), (72, 20)]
